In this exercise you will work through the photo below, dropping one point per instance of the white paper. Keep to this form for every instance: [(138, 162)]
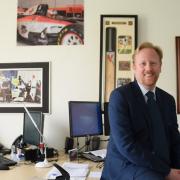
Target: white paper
[(76, 169), (53, 173), (100, 153), (95, 174), (78, 178)]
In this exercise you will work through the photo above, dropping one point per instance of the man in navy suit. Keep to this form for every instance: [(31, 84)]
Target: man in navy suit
[(131, 152)]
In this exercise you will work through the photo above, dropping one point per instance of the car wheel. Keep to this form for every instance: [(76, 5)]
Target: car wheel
[(71, 35)]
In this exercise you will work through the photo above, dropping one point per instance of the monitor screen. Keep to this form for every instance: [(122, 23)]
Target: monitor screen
[(85, 118), (106, 120), (30, 133)]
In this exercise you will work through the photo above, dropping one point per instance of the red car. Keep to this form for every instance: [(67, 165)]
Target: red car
[(36, 26)]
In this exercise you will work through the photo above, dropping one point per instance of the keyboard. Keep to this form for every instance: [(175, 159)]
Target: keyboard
[(7, 161), (92, 157)]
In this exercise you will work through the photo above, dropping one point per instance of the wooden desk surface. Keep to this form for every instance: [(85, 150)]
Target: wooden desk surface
[(28, 171)]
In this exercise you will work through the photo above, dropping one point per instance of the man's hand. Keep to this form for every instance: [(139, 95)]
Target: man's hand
[(173, 175)]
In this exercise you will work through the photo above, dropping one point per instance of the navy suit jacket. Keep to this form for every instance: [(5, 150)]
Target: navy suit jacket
[(130, 144)]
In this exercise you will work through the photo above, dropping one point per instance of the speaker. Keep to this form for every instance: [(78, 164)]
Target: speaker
[(95, 143), (51, 152), (69, 143)]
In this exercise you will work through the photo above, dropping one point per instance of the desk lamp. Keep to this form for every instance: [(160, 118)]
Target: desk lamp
[(45, 163)]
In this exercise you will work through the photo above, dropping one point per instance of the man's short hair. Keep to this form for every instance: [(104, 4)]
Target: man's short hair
[(148, 45)]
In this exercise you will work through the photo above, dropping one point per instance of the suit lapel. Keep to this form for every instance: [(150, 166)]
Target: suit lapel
[(160, 101), (141, 104), (140, 100), (159, 98)]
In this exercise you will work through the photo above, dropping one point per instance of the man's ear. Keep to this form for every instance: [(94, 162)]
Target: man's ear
[(133, 66)]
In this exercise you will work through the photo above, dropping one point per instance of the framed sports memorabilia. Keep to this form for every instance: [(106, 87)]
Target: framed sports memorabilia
[(118, 41)]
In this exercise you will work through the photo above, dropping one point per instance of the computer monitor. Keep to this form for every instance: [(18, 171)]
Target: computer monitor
[(30, 133), (85, 118), (106, 120)]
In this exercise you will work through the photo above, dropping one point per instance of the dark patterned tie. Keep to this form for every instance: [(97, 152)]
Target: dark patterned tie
[(160, 143)]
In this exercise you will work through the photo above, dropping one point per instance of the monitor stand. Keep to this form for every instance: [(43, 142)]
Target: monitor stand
[(87, 143), (86, 146)]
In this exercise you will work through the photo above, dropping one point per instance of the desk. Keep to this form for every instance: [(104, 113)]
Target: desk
[(25, 171)]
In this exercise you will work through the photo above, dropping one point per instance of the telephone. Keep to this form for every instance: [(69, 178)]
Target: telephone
[(1, 146), (17, 141), (32, 154), (4, 150)]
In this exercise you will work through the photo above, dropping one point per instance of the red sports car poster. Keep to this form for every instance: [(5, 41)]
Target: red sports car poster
[(50, 22)]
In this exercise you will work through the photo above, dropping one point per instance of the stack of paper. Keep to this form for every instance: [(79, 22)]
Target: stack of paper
[(53, 173), (95, 174), (76, 171)]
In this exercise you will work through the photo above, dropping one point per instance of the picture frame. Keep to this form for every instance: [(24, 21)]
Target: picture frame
[(24, 85), (118, 40), (50, 23), (177, 43)]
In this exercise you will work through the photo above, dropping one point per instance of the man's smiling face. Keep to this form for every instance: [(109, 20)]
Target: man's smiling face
[(147, 67)]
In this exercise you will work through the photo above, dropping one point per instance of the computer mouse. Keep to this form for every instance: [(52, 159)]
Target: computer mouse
[(4, 167)]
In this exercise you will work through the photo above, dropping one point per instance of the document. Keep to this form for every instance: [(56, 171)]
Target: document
[(53, 173), (100, 153), (95, 174), (77, 171)]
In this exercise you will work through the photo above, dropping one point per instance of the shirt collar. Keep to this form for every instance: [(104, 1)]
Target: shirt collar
[(144, 90)]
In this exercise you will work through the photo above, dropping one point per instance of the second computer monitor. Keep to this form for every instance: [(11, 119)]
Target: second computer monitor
[(30, 133), (106, 120), (85, 118)]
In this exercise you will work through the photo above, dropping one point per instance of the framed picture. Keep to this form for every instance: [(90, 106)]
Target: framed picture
[(50, 22), (177, 39), (118, 40), (24, 84)]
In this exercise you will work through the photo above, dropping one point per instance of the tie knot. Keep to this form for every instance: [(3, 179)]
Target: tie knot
[(150, 95)]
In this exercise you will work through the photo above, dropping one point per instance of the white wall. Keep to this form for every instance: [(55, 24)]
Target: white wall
[(75, 69)]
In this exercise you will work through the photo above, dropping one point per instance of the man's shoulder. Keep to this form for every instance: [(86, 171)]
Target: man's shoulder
[(124, 90), (164, 93), (159, 90), (126, 87)]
